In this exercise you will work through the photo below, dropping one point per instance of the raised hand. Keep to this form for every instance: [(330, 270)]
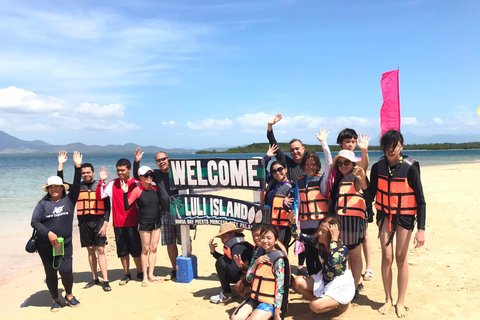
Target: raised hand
[(124, 186), (275, 119), (291, 216), (62, 157), (322, 135), (138, 155), (103, 174), (238, 260), (359, 173), (334, 232), (272, 149), (363, 141), (77, 159), (212, 245), (288, 201)]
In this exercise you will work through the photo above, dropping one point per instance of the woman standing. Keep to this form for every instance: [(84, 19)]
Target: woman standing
[(348, 202), (395, 180), (146, 198), (277, 195), (311, 197), (52, 219)]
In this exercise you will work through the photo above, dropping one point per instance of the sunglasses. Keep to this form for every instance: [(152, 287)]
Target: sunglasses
[(148, 175), (279, 170), (345, 162), (161, 159)]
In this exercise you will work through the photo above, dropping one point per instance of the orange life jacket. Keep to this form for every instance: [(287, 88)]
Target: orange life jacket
[(263, 283), (279, 213), (350, 202), (227, 247), (88, 203), (394, 194), (313, 205)]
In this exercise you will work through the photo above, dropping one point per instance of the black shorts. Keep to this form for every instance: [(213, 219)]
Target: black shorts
[(89, 230), (149, 226), (128, 241), (405, 221)]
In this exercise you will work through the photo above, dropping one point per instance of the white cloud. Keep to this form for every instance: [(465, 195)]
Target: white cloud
[(169, 123), (211, 124), (438, 121), (409, 121), (257, 124), (23, 110)]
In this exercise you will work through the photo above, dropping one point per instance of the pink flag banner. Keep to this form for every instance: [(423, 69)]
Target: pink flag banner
[(390, 112)]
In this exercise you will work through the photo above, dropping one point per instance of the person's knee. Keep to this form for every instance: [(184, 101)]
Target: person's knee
[(299, 283), (145, 250), (153, 249), (401, 260), (91, 250), (317, 306), (100, 250), (387, 258), (220, 265)]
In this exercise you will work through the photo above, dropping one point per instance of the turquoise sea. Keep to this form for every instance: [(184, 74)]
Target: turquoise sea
[(23, 175)]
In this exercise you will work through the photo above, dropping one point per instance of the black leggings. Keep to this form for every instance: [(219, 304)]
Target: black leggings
[(65, 269), (285, 236), (311, 254), (227, 273)]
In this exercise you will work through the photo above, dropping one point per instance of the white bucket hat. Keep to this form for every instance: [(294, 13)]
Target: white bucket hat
[(55, 181), (347, 154)]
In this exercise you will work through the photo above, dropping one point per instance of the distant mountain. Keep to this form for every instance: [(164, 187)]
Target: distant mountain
[(11, 145)]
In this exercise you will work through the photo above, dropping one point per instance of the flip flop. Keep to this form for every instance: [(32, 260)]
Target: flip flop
[(368, 275), (156, 280), (145, 283)]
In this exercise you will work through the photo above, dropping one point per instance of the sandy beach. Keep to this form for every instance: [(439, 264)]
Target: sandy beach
[(443, 274)]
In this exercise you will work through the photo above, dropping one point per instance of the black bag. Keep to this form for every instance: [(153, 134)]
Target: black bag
[(31, 246)]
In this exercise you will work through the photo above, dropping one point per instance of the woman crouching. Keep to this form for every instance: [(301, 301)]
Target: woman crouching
[(332, 287), (268, 271)]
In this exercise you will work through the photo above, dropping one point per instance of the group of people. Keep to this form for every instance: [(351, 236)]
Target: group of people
[(138, 209), (327, 214)]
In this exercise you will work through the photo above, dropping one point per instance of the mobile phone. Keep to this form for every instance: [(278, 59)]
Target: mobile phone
[(58, 250)]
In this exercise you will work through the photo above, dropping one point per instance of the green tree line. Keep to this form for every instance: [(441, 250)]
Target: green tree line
[(263, 147)]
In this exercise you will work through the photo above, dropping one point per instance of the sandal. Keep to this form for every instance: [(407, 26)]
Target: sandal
[(156, 280), (368, 275), (145, 283), (74, 303)]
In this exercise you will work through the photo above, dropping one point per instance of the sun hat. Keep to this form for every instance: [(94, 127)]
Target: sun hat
[(56, 181), (228, 227), (143, 169), (347, 154)]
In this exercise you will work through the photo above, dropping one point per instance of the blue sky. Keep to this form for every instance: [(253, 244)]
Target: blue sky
[(211, 73)]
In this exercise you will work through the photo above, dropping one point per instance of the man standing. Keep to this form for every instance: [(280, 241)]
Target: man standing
[(93, 216), (124, 222), (170, 233), (297, 149)]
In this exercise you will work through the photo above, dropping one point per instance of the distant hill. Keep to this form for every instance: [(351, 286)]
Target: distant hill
[(12, 145)]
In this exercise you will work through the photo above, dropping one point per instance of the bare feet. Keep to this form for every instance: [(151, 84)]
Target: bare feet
[(386, 307), (401, 311)]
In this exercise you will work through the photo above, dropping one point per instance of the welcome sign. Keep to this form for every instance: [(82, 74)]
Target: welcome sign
[(215, 210), (217, 173)]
